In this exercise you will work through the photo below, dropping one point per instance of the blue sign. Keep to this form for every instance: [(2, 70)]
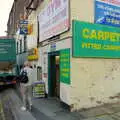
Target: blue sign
[(23, 27), (106, 13), (23, 22), (23, 30)]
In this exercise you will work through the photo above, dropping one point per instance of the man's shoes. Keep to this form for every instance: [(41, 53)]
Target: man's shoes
[(30, 107), (23, 108)]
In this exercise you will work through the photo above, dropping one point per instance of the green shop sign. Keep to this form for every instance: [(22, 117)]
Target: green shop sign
[(65, 66), (94, 40), (7, 50)]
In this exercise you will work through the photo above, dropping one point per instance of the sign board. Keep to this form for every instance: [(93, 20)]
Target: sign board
[(107, 12), (65, 66), (23, 27), (7, 50), (30, 29), (94, 40), (39, 89), (54, 19), (33, 54), (52, 47)]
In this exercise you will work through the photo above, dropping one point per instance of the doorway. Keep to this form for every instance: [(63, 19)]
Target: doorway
[(54, 74)]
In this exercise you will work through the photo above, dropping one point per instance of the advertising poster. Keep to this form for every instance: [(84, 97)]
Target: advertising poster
[(107, 12), (65, 66), (94, 40), (54, 19)]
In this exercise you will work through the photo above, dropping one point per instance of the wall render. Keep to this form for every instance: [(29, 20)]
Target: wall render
[(94, 81)]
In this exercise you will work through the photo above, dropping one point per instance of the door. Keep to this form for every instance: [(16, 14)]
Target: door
[(53, 74), (57, 72)]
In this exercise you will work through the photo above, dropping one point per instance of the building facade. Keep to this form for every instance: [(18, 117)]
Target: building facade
[(77, 59), (79, 81)]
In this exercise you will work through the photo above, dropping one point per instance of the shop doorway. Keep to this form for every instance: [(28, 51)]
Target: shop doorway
[(54, 74)]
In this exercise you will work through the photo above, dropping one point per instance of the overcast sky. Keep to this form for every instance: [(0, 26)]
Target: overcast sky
[(5, 7)]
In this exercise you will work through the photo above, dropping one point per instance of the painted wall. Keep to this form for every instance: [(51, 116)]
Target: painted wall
[(94, 81), (82, 10), (78, 12), (44, 63), (34, 65), (32, 38)]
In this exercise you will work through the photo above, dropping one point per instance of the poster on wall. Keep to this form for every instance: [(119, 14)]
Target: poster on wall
[(65, 66), (39, 89), (54, 19), (94, 40), (107, 12)]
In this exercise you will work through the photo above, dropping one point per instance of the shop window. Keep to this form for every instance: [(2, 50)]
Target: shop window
[(37, 32), (20, 46), (17, 48)]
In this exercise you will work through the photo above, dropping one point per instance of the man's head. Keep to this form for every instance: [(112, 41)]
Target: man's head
[(27, 63)]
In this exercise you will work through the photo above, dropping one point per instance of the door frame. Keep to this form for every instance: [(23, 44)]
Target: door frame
[(51, 79)]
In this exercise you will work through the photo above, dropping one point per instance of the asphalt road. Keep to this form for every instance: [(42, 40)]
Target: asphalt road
[(5, 106), (10, 108)]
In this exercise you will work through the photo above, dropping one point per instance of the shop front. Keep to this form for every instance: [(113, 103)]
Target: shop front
[(56, 69), (94, 65)]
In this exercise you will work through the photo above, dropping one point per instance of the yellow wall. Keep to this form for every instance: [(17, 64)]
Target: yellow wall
[(94, 80), (80, 10)]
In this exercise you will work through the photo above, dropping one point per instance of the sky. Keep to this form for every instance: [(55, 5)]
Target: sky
[(5, 7)]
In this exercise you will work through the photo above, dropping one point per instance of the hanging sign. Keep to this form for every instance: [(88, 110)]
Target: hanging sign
[(23, 27), (30, 29), (33, 54)]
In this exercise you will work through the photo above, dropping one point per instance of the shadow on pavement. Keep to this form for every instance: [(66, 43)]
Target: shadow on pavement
[(38, 115)]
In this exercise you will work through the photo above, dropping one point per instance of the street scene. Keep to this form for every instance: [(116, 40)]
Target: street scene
[(60, 60)]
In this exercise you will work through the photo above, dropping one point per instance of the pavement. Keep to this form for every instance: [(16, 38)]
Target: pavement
[(52, 109), (16, 104)]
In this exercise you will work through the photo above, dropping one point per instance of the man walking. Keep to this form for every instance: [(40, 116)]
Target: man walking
[(26, 88)]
